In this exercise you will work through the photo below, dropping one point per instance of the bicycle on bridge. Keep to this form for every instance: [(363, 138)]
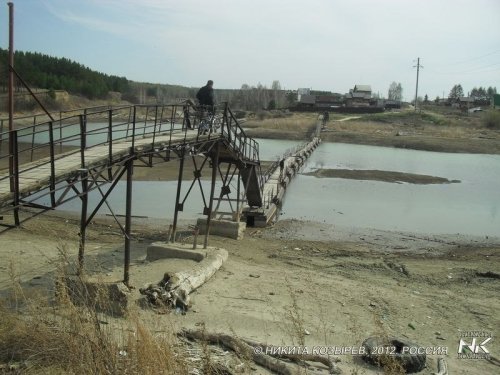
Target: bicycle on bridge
[(209, 121)]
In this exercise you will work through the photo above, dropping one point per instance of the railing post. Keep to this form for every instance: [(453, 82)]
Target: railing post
[(83, 136), (83, 218), (225, 120), (14, 182), (52, 166), (110, 137), (33, 138), (156, 123), (133, 128)]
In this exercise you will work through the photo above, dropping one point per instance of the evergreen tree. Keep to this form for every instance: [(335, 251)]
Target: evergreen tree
[(47, 72)]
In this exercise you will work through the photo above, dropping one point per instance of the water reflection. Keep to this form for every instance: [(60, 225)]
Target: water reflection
[(469, 207)]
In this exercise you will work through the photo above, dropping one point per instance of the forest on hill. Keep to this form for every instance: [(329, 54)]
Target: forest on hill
[(44, 72), (52, 73)]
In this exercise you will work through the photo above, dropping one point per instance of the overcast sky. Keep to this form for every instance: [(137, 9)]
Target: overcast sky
[(321, 44)]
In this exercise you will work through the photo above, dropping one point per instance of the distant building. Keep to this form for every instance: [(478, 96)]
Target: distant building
[(360, 96), (364, 89), (329, 101), (444, 101), (464, 102), (301, 92)]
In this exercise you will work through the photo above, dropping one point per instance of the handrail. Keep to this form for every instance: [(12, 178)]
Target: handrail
[(44, 143)]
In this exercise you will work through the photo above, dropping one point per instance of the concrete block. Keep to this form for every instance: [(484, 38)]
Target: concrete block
[(163, 250), (223, 228)]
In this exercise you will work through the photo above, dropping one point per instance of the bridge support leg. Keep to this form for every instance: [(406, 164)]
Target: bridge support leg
[(238, 203), (128, 221), (83, 220), (177, 198), (215, 166)]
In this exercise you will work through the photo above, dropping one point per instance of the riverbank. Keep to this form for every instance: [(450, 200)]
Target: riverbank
[(426, 131), (294, 282)]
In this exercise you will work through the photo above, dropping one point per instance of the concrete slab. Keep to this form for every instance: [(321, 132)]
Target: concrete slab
[(163, 250), (223, 228)]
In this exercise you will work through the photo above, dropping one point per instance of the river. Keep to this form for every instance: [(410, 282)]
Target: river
[(470, 207)]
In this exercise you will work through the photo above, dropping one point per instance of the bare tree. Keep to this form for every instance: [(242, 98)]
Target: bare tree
[(395, 91), (456, 92)]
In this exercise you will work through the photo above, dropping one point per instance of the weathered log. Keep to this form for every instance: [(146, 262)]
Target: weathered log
[(257, 352), (327, 361), (242, 349), (174, 289)]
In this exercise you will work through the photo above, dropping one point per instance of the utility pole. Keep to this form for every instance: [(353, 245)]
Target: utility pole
[(418, 66)]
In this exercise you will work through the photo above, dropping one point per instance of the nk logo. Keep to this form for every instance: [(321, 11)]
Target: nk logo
[(475, 347)]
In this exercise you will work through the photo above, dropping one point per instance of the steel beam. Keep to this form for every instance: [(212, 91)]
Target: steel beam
[(215, 166), (128, 221)]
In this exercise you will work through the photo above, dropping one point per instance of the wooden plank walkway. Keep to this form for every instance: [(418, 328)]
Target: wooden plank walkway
[(275, 187), (36, 175)]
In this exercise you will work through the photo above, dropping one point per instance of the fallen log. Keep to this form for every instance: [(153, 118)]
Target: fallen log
[(257, 352), (327, 361), (242, 349), (174, 289)]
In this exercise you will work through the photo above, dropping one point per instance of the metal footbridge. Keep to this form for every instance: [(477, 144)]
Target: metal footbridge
[(48, 161)]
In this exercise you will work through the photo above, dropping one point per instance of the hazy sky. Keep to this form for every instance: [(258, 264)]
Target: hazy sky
[(322, 44)]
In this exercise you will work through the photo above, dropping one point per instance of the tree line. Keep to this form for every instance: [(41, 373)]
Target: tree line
[(480, 93), (42, 71), (53, 73)]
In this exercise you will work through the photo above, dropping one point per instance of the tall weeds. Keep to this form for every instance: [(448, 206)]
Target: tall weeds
[(64, 338)]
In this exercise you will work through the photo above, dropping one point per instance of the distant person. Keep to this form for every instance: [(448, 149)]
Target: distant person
[(205, 96), (326, 117), (282, 167)]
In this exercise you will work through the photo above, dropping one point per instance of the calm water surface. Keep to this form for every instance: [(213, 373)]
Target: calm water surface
[(469, 207)]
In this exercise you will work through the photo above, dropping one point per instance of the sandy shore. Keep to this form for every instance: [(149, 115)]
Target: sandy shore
[(343, 284)]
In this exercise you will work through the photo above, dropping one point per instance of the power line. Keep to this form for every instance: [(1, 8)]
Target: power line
[(471, 59), (477, 69)]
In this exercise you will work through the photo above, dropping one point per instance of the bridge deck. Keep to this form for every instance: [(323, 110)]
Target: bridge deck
[(36, 175)]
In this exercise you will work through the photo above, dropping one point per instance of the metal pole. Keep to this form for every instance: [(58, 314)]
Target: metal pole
[(52, 166), (128, 221), (15, 175), (83, 219), (215, 164), (416, 88), (11, 86), (178, 206)]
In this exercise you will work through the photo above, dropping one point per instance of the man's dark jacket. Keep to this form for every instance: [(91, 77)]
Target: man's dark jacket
[(205, 96)]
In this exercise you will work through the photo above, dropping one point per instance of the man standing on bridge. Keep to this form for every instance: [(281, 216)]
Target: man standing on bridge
[(205, 96)]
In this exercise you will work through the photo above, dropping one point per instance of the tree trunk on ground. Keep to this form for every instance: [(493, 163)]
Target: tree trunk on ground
[(175, 288)]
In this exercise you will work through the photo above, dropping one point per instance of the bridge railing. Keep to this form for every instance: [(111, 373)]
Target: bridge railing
[(43, 143), (247, 147)]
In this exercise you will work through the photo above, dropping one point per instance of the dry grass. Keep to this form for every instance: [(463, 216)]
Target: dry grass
[(41, 338), (295, 123), (491, 119)]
